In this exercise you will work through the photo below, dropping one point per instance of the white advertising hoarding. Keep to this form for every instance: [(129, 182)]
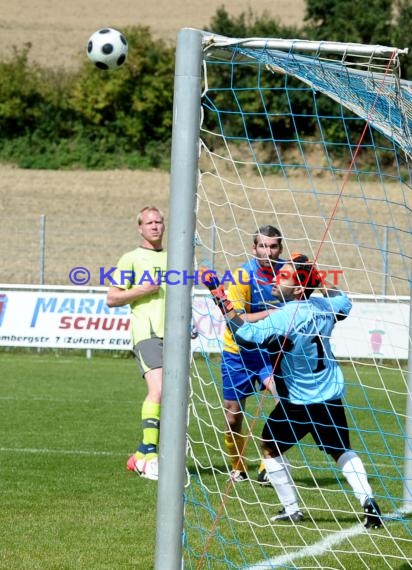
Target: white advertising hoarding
[(78, 319), (62, 320), (377, 329)]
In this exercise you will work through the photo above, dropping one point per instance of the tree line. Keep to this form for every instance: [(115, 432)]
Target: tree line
[(87, 118)]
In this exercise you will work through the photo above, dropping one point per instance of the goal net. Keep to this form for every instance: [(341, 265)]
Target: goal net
[(313, 138)]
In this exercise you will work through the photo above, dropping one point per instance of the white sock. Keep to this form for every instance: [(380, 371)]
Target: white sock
[(355, 474), (281, 480)]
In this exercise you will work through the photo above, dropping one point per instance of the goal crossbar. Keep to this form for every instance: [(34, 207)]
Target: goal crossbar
[(295, 45), (364, 79)]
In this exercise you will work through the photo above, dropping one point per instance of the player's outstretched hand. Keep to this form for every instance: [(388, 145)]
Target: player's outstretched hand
[(210, 279)]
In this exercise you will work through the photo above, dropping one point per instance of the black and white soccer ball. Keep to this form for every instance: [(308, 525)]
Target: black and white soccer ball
[(107, 48)]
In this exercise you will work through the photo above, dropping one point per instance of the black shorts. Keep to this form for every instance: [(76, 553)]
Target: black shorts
[(326, 422)]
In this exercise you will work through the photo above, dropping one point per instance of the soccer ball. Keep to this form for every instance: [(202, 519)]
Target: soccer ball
[(107, 48)]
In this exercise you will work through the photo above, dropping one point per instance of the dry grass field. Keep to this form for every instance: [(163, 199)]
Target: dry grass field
[(77, 202), (87, 218), (58, 30)]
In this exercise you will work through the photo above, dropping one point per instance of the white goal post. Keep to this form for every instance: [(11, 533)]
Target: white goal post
[(316, 139)]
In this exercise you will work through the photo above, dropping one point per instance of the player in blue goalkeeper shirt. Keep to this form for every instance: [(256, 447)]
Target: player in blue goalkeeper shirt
[(309, 382)]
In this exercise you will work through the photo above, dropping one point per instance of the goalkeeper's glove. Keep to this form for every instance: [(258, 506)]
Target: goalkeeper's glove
[(210, 279)]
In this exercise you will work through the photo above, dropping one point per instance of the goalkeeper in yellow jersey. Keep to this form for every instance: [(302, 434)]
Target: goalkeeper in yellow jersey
[(138, 283), (244, 371)]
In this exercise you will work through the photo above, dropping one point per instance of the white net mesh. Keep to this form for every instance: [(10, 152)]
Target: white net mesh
[(281, 145)]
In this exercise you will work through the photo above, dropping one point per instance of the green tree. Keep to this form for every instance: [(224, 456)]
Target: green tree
[(249, 24), (382, 22), (356, 21), (96, 119), (401, 34), (132, 106), (21, 99), (240, 113), (89, 118)]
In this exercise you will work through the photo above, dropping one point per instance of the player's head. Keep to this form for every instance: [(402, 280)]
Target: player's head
[(145, 210), (267, 245), (297, 279), (150, 225)]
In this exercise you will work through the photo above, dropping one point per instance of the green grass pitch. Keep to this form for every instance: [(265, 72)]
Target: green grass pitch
[(67, 500), (68, 425)]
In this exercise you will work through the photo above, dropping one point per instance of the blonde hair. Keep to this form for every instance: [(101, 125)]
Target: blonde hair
[(148, 209)]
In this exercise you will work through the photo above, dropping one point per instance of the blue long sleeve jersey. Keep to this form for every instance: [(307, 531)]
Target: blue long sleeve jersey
[(298, 337)]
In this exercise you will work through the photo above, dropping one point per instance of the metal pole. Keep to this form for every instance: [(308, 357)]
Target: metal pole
[(407, 484), (89, 352), (42, 248), (213, 247), (385, 267), (185, 142)]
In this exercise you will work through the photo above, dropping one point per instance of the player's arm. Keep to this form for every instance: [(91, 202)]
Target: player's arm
[(246, 338), (339, 302), (239, 292), (328, 289), (255, 317), (117, 297), (232, 315), (336, 301), (124, 289), (258, 316)]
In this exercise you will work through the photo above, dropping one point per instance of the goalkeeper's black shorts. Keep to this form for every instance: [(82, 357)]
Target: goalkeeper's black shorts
[(326, 422)]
